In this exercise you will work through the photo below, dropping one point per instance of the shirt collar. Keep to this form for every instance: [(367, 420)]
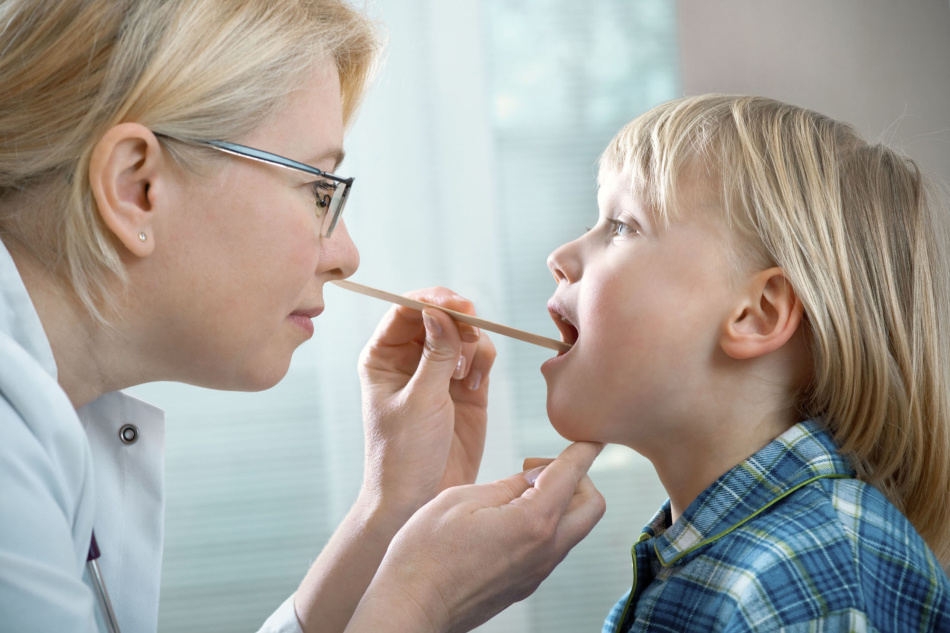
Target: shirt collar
[(800, 455), (18, 317)]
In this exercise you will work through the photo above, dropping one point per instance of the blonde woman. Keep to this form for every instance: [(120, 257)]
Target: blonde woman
[(169, 210), (762, 311)]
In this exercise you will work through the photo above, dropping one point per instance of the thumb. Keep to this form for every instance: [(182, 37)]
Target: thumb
[(495, 494), (440, 354)]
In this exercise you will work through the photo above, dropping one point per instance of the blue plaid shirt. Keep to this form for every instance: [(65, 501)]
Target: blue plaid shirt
[(790, 540)]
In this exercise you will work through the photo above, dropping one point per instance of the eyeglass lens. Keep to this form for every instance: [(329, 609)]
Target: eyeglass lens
[(337, 203)]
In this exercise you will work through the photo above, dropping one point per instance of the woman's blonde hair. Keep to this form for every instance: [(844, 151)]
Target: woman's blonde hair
[(199, 69), (862, 237)]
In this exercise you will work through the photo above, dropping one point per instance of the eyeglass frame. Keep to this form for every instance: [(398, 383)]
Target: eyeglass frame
[(340, 195)]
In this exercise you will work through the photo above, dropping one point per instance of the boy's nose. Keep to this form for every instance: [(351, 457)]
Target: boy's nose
[(564, 263)]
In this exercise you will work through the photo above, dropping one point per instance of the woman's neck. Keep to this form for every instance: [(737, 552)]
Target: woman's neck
[(86, 352)]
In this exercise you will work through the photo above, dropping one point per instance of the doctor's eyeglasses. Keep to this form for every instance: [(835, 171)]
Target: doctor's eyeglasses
[(330, 191)]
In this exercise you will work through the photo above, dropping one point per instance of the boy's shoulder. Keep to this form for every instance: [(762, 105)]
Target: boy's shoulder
[(788, 537), (827, 512), (836, 546)]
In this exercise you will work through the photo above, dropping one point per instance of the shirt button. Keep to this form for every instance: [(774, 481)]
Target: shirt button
[(128, 434)]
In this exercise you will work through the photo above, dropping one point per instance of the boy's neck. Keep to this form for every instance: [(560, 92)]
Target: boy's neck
[(699, 458)]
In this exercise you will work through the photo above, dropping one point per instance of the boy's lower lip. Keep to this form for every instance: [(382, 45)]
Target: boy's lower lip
[(554, 360), (303, 322)]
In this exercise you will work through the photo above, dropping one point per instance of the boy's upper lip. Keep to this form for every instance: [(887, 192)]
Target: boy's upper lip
[(564, 319)]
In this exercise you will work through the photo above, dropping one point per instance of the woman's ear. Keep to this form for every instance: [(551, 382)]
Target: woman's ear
[(124, 174), (768, 315)]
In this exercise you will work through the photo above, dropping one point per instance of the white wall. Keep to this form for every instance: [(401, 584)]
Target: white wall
[(882, 65)]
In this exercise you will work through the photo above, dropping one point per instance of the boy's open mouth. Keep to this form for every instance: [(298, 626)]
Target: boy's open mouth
[(568, 330)]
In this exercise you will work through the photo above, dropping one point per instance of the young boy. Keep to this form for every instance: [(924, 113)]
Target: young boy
[(759, 312)]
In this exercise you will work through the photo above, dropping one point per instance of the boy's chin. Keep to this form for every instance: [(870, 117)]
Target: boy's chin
[(571, 428)]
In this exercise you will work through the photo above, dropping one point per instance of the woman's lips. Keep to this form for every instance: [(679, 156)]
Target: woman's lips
[(303, 322), (302, 319), (311, 313)]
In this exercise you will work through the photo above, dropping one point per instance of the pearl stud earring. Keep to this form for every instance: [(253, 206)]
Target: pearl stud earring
[(143, 236)]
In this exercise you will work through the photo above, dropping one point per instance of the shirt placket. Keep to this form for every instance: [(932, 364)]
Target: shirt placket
[(642, 555)]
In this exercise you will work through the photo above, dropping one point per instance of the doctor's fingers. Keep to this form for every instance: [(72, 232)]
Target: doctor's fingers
[(584, 511), (565, 503), (555, 486), (413, 342), (537, 534), (479, 359), (469, 335), (401, 325), (530, 463)]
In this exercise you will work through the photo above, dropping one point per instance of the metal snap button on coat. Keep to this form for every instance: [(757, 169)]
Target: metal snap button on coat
[(128, 434)]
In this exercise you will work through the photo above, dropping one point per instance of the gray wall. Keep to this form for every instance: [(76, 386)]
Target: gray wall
[(882, 65)]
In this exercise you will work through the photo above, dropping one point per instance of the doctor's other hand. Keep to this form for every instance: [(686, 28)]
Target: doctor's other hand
[(475, 550), (424, 382)]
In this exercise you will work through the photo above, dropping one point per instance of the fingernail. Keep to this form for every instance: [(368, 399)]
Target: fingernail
[(531, 476), (432, 324), (459, 369), (474, 380), (460, 298)]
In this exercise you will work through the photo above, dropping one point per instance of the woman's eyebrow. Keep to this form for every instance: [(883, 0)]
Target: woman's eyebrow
[(337, 154)]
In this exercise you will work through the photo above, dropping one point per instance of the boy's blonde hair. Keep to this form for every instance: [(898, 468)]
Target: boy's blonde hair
[(862, 236), (201, 69)]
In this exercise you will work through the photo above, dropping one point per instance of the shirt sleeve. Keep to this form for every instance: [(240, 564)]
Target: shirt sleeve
[(283, 620), (46, 511)]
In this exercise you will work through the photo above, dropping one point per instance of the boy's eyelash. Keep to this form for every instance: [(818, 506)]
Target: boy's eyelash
[(616, 224)]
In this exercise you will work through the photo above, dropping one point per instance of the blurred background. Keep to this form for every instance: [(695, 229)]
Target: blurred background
[(475, 156)]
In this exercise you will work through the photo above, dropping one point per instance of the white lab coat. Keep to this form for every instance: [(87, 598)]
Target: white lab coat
[(63, 472)]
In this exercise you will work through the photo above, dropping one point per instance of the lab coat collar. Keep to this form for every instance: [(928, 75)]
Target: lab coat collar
[(18, 317)]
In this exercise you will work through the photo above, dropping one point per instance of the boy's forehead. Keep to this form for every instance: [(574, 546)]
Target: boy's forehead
[(694, 197), (615, 187), (618, 193)]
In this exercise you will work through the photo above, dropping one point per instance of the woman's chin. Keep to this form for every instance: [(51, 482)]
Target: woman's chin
[(259, 376)]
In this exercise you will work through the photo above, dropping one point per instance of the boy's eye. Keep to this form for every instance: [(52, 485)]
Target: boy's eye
[(323, 192), (620, 229)]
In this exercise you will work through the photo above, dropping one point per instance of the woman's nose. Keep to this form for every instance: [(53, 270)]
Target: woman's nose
[(565, 262), (340, 255)]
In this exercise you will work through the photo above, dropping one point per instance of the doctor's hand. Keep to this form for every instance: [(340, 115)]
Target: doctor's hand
[(425, 393), (475, 550)]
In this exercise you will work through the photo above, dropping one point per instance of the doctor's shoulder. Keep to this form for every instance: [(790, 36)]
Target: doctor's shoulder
[(47, 499)]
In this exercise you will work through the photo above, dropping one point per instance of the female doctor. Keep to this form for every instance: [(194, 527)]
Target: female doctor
[(169, 210)]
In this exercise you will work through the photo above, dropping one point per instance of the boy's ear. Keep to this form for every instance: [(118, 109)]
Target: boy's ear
[(124, 175), (768, 315)]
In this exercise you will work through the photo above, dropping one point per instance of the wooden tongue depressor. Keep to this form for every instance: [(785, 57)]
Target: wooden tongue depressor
[(521, 335)]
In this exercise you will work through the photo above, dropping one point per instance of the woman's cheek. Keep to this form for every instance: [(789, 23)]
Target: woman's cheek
[(299, 261)]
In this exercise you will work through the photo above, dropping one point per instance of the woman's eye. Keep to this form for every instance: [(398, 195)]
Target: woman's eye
[(323, 192)]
